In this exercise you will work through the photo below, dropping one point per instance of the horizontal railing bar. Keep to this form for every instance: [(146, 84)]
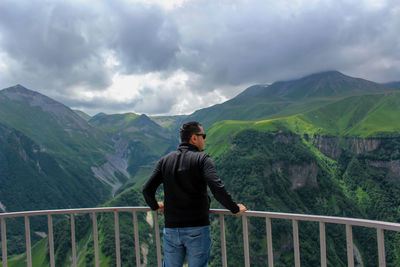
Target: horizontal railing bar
[(276, 215), (69, 211), (318, 218)]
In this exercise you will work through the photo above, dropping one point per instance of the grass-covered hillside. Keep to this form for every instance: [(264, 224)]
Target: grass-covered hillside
[(276, 165), (363, 116), (287, 98), (366, 116)]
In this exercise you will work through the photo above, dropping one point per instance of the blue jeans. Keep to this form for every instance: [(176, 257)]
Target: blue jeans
[(192, 242)]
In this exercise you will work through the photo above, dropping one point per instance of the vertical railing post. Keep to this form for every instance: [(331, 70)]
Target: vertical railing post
[(95, 240), (223, 240), (322, 243), (28, 242), (136, 234), (50, 239), (117, 247), (4, 242), (350, 247), (381, 247), (296, 245), (157, 233), (269, 242), (246, 241), (73, 240)]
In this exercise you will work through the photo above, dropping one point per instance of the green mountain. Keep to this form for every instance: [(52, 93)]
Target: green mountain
[(68, 141), (83, 115), (364, 116), (275, 165), (289, 97), (50, 158), (137, 127), (139, 139), (325, 144)]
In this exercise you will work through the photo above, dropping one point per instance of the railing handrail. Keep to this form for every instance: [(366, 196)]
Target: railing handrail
[(318, 218), (275, 215), (69, 211), (380, 226)]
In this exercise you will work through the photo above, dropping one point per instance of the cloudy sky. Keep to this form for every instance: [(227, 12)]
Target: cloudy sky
[(176, 56)]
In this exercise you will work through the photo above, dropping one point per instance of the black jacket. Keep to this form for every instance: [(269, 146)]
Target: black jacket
[(185, 174)]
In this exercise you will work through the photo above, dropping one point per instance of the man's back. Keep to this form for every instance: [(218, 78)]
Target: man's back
[(185, 174)]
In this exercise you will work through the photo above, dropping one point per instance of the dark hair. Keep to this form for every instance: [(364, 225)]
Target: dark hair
[(188, 129)]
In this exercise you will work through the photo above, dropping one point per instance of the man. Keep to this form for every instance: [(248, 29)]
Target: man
[(185, 174)]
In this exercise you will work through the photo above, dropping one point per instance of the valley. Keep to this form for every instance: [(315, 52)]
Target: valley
[(325, 144)]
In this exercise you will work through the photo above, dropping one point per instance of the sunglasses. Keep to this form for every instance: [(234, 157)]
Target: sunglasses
[(203, 135)]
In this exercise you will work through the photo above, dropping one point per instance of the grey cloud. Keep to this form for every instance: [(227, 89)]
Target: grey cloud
[(55, 45), (263, 42), (51, 46), (146, 39)]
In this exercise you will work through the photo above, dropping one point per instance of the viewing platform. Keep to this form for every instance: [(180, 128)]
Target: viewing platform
[(379, 226)]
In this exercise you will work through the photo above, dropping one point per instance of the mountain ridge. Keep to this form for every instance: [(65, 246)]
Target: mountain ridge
[(285, 98), (311, 86), (328, 157)]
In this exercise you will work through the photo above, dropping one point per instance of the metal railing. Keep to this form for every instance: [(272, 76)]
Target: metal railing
[(295, 218)]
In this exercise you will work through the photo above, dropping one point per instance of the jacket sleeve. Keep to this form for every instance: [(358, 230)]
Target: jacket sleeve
[(216, 186), (150, 187)]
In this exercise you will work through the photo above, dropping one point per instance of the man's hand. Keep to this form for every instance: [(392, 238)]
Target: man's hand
[(160, 206), (242, 209)]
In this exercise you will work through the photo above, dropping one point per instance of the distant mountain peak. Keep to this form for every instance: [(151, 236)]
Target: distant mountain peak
[(323, 84), (29, 98), (23, 94), (99, 114), (19, 89), (144, 120), (327, 73)]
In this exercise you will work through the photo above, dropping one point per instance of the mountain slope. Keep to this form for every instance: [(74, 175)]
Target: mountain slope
[(324, 84), (31, 178), (70, 141), (55, 127), (289, 98), (139, 140), (284, 165), (365, 116)]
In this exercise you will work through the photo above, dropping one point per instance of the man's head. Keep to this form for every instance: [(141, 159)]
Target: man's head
[(192, 132)]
